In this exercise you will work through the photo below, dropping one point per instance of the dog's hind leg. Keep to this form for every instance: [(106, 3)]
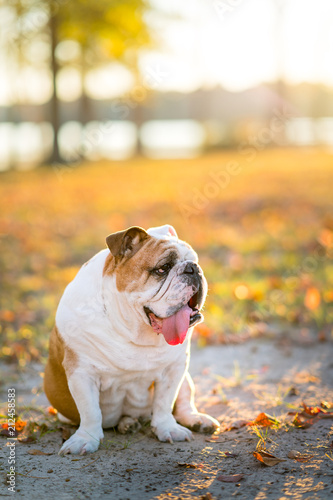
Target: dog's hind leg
[(65, 420), (185, 411), (128, 425)]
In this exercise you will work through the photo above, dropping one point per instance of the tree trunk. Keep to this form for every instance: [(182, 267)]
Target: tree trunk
[(85, 111), (55, 118)]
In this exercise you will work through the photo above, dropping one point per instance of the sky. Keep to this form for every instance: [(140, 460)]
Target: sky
[(242, 43), (203, 43)]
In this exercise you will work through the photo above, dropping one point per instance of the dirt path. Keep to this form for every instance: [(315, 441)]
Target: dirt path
[(234, 383)]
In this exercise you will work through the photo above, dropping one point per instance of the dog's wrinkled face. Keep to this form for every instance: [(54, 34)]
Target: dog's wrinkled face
[(161, 278)]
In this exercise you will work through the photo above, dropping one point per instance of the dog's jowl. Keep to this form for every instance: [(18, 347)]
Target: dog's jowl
[(121, 343)]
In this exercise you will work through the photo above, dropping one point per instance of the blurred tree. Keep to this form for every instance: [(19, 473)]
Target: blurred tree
[(105, 30)]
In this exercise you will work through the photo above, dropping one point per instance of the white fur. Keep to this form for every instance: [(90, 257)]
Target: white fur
[(120, 356)]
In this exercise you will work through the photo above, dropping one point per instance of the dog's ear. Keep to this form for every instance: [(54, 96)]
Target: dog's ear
[(128, 242)]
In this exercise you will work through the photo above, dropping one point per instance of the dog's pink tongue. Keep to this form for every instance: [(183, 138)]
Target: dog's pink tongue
[(176, 326)]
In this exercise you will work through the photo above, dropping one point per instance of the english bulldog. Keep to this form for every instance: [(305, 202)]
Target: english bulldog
[(120, 347)]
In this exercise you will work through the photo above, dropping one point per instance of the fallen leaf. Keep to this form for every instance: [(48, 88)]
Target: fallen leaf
[(7, 433), (190, 465), (38, 452), (264, 420), (214, 439), (300, 457), (227, 454), (267, 458), (234, 478), (20, 424), (303, 424), (51, 410), (311, 411), (32, 431), (326, 405), (27, 440), (235, 425), (18, 427)]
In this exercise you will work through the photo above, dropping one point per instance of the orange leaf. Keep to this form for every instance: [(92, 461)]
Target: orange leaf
[(304, 424), (52, 411), (265, 420), (267, 458), (312, 298), (311, 410), (20, 424), (326, 405)]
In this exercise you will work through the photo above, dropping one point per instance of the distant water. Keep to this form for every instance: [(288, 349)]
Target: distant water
[(28, 144)]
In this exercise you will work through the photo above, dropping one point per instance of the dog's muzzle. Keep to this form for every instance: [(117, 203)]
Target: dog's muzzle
[(180, 318)]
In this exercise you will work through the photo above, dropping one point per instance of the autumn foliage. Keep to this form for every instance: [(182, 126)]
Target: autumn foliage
[(265, 238)]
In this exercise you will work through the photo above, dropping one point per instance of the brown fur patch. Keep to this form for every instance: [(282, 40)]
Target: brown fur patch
[(60, 358), (129, 272), (109, 265)]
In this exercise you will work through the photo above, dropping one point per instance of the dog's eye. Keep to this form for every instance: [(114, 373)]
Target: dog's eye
[(162, 270)]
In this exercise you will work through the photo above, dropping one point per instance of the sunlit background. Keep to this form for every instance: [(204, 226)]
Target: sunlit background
[(215, 116), (171, 79)]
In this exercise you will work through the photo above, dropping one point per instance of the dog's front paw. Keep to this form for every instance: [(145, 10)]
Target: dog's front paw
[(170, 431), (81, 442), (199, 422)]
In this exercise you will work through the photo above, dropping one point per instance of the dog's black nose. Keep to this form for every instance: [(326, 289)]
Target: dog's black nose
[(190, 268)]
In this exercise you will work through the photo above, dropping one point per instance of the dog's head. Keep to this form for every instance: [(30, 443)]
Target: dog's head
[(159, 277)]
